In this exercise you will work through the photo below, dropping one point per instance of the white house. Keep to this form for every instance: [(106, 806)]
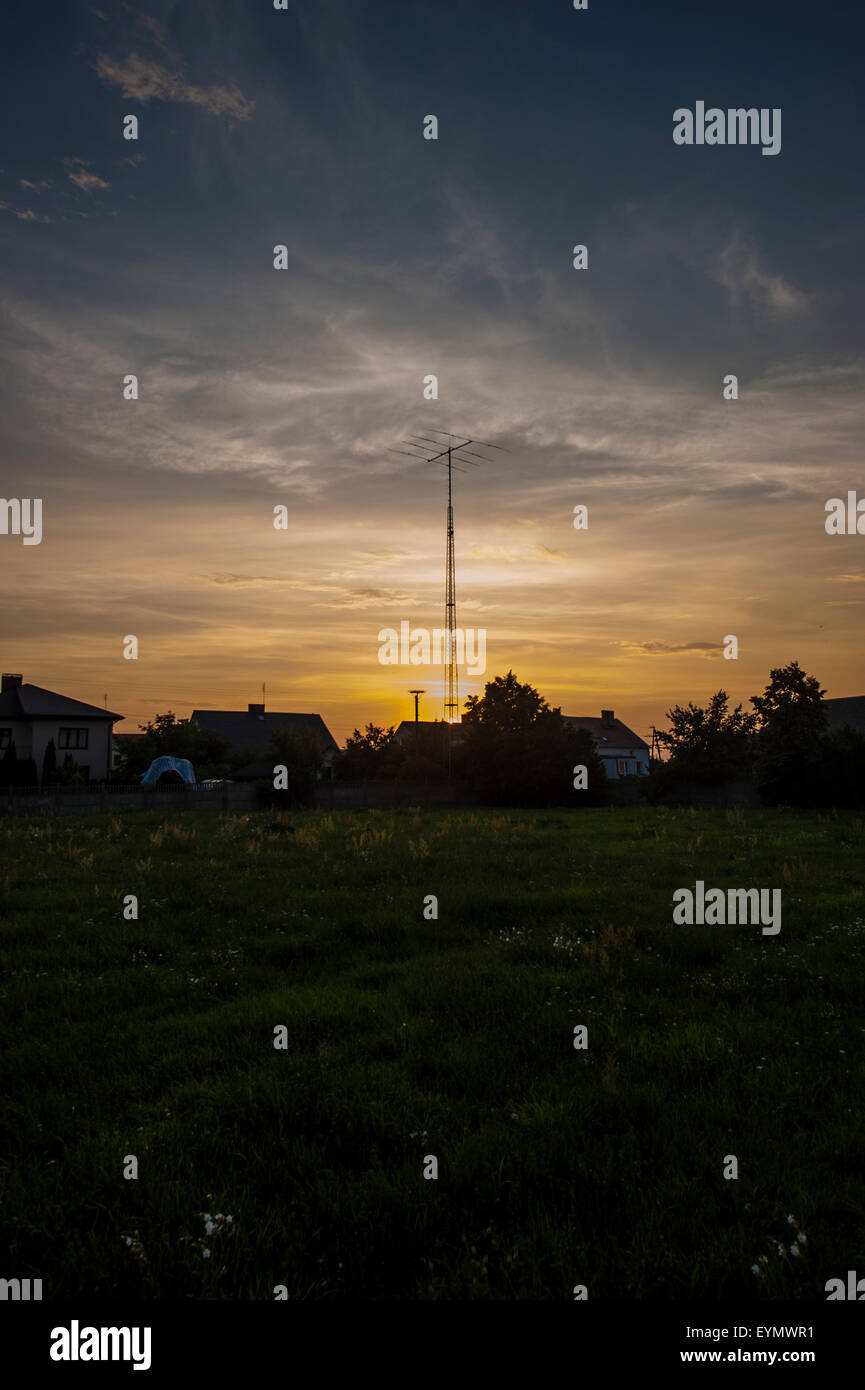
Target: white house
[(623, 753), (30, 717)]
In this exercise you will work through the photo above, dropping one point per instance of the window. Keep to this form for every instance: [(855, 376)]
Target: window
[(626, 767), (5, 738), (73, 738)]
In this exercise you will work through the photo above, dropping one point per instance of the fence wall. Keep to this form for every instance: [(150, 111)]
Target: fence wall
[(333, 796), (70, 801)]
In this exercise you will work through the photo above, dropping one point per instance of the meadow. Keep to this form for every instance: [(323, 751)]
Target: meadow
[(409, 1037)]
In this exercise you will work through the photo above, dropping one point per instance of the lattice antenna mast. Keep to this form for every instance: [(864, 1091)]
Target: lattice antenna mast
[(452, 673), (450, 455)]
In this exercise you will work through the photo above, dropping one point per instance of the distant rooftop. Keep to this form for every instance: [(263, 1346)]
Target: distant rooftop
[(850, 709), (246, 728), (607, 730), (22, 701)]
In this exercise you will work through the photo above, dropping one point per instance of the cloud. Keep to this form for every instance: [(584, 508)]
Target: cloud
[(24, 214), (705, 649), (145, 79), (78, 173), (38, 187), (741, 273)]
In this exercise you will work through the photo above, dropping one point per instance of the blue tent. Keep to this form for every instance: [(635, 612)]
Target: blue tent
[(182, 766)]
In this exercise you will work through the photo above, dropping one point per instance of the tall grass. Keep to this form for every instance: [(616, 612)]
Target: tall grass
[(410, 1037)]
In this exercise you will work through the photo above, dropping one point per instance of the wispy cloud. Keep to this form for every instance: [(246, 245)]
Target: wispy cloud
[(78, 172), (145, 79), (704, 649), (24, 214), (741, 271)]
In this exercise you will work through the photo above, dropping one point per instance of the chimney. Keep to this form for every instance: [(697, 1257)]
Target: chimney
[(10, 682), (257, 710), (608, 719)]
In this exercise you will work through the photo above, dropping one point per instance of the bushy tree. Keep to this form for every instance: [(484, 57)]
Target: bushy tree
[(9, 765), (707, 745), (517, 751), (49, 764), (300, 755), (369, 755), (843, 770), (178, 738), (70, 773), (792, 739), (425, 752)]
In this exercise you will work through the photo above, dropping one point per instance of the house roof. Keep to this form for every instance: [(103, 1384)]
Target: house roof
[(613, 735), (406, 726), (243, 729), (849, 710), (32, 702)]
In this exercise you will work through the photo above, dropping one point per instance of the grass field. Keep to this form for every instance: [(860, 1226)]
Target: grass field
[(410, 1037)]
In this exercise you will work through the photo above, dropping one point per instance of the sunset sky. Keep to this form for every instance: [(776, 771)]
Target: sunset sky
[(409, 257)]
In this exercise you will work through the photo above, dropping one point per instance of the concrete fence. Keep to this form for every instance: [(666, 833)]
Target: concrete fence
[(71, 801)]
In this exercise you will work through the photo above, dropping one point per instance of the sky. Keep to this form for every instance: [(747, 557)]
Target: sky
[(409, 257)]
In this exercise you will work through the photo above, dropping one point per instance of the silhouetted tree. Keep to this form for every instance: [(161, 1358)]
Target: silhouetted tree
[(706, 745), (70, 773), (178, 738), (300, 755), (791, 742), (515, 750), (49, 764), (9, 765), (370, 754)]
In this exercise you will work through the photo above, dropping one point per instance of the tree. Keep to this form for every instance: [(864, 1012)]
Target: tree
[(425, 752), (515, 750), (49, 764), (843, 770), (506, 705), (178, 738), (70, 773), (707, 745), (370, 754), (300, 755), (791, 743), (9, 765)]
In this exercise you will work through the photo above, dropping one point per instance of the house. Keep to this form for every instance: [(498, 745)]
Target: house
[(253, 729), (30, 717), (622, 752), (408, 727), (847, 711)]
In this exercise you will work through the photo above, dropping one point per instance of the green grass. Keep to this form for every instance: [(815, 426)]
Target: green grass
[(409, 1037)]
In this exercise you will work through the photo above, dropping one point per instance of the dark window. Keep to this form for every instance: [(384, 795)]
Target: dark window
[(73, 738), (5, 738)]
